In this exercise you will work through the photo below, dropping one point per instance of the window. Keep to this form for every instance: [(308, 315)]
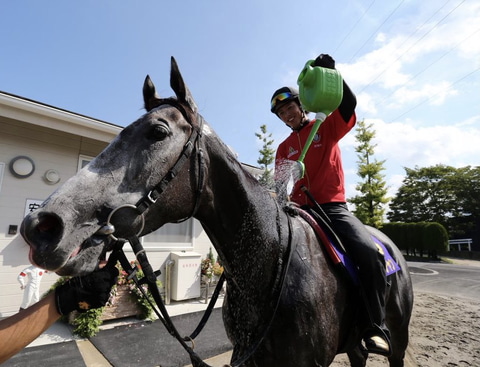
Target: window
[(172, 236), (83, 160)]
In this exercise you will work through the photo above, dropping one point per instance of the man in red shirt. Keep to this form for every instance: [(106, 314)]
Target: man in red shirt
[(324, 179)]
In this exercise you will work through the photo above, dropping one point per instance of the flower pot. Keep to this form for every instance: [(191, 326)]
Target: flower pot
[(123, 305)]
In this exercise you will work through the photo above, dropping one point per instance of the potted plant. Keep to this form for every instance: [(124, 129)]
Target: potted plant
[(125, 300), (211, 271), (217, 271), (207, 270)]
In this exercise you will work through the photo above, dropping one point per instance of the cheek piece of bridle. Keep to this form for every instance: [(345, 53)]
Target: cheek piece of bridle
[(150, 276)]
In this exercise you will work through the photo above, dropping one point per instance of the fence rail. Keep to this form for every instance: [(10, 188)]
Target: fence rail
[(460, 244)]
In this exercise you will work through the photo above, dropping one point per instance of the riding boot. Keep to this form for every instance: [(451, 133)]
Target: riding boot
[(371, 270), (376, 335)]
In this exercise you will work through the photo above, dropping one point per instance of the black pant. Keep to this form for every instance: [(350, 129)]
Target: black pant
[(365, 254)]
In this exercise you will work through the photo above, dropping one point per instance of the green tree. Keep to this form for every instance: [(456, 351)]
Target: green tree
[(370, 203), (426, 195), (267, 156), (443, 194), (467, 188)]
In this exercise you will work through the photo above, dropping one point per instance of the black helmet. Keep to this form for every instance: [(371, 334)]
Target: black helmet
[(282, 96)]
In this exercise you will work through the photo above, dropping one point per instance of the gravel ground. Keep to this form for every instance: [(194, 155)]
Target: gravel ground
[(444, 332)]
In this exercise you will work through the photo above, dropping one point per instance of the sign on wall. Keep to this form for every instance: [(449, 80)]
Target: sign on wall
[(31, 205)]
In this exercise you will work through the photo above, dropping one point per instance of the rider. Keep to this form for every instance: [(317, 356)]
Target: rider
[(324, 178)]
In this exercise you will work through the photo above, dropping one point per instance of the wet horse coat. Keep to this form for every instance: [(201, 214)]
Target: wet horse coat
[(252, 233)]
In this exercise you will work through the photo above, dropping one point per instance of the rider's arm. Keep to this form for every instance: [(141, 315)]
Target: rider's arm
[(19, 330), (348, 104)]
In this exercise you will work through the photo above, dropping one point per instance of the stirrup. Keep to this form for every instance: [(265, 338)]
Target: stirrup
[(378, 344)]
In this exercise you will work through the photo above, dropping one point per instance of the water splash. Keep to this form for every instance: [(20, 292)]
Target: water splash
[(287, 175)]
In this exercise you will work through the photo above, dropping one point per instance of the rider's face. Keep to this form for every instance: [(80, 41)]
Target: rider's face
[(291, 114)]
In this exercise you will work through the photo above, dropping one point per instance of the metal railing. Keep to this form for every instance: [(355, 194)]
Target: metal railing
[(460, 244)]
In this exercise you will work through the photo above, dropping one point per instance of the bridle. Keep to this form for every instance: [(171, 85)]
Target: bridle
[(150, 276), (153, 194), (192, 143)]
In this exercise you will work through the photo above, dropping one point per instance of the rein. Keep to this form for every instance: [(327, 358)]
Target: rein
[(150, 276)]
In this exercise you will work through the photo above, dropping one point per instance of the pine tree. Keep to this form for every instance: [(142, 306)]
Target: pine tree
[(369, 204), (267, 156)]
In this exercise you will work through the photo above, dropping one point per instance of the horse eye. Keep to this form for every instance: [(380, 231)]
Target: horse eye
[(160, 132)]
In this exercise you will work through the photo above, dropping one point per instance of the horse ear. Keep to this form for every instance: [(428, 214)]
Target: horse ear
[(150, 97), (179, 87)]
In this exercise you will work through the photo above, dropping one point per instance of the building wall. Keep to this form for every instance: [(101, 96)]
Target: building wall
[(49, 149)]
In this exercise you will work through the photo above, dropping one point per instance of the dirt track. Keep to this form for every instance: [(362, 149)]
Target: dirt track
[(443, 332)]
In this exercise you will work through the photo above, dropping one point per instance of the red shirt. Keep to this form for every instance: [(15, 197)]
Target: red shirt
[(324, 176)]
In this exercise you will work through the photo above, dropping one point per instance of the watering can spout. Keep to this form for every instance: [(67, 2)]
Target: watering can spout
[(321, 89)]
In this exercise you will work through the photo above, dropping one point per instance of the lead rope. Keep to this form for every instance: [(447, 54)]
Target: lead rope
[(150, 278)]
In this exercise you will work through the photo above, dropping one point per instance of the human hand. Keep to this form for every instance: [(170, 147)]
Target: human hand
[(325, 61), (86, 292)]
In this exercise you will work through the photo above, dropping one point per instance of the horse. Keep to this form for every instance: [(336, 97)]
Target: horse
[(283, 294)]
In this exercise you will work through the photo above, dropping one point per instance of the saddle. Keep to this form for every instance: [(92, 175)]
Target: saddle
[(335, 249)]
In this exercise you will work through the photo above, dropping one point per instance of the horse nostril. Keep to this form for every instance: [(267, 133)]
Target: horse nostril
[(49, 227)]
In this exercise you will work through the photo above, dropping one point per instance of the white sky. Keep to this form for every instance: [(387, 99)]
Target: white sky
[(414, 66)]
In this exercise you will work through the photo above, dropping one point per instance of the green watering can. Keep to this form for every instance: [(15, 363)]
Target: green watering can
[(321, 91)]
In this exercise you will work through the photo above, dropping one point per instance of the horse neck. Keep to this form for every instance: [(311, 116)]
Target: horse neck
[(243, 221)]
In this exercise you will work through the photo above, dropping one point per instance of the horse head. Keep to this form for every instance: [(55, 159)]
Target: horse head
[(81, 220)]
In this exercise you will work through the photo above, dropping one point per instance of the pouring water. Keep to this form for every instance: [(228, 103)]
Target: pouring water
[(286, 176)]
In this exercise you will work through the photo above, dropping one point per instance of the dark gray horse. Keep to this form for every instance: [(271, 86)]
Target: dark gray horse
[(169, 165)]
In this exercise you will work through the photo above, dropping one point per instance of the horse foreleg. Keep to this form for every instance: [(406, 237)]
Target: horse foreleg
[(399, 311), (399, 347), (358, 357)]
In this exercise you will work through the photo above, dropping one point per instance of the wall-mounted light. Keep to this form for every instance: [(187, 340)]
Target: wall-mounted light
[(51, 176), (12, 229), (21, 166)]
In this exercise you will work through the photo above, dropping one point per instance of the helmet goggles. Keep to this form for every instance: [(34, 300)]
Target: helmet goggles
[(285, 96)]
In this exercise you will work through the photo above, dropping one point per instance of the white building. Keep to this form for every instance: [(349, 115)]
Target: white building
[(40, 148)]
